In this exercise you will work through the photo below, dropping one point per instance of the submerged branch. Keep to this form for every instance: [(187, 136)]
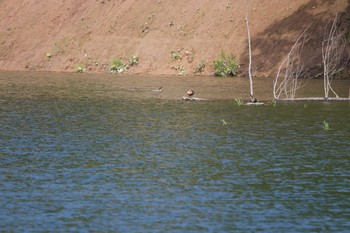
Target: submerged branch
[(315, 99)]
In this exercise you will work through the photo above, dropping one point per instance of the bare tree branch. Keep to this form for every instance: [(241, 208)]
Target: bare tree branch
[(286, 82), (333, 47)]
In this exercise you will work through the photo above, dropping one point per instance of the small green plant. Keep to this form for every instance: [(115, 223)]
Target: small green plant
[(226, 65), (134, 60), (79, 68), (182, 71), (239, 101), (325, 125), (117, 66), (200, 67), (175, 55), (223, 121), (274, 103)]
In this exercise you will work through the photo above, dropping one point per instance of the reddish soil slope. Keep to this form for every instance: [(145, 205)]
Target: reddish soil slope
[(94, 32)]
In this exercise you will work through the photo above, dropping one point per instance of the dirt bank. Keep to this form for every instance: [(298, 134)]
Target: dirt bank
[(56, 35)]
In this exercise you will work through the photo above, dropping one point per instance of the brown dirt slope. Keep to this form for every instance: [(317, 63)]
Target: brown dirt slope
[(94, 32)]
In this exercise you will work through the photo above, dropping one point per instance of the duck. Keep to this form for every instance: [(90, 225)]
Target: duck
[(158, 89), (252, 99), (190, 93)]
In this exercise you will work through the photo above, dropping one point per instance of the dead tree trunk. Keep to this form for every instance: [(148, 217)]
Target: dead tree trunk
[(250, 55)]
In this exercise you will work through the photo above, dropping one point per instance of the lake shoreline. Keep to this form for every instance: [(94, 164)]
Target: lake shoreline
[(172, 87)]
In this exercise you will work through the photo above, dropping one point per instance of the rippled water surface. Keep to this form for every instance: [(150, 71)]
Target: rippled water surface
[(92, 163)]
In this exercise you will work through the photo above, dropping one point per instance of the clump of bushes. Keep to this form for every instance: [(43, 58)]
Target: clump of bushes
[(118, 66), (226, 65)]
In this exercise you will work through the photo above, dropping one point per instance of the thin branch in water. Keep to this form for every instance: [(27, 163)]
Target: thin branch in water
[(333, 47), (286, 82), (250, 51)]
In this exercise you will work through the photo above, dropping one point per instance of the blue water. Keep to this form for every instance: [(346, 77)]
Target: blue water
[(98, 164)]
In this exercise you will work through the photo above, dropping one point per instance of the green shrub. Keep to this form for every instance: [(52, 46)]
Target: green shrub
[(117, 66), (182, 71), (200, 67), (134, 60), (226, 65), (79, 68), (175, 55)]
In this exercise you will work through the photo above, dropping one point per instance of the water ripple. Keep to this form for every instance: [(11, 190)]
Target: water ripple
[(166, 166)]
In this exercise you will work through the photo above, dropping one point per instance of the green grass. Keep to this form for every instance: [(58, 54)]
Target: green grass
[(239, 101), (118, 66)]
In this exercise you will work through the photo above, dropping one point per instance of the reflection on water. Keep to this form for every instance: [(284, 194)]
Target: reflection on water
[(101, 164)]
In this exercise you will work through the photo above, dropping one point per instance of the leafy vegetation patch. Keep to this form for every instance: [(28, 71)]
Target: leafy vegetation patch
[(134, 60), (175, 55), (118, 66), (80, 68), (182, 70), (200, 67), (226, 65)]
